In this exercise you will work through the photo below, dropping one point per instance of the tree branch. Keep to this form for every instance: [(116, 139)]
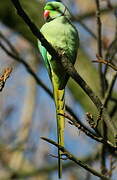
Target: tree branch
[(85, 130), (99, 45), (5, 75), (110, 88), (108, 63), (48, 169), (75, 159)]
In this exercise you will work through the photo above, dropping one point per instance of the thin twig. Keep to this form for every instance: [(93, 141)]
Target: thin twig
[(112, 166), (85, 130), (110, 88), (48, 169), (108, 63), (113, 110), (87, 29), (99, 45), (78, 124), (13, 49), (75, 159), (62, 158), (91, 121), (115, 13), (103, 160), (99, 28), (5, 75), (111, 51), (109, 91)]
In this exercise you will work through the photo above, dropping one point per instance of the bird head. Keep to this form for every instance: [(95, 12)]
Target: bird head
[(55, 9)]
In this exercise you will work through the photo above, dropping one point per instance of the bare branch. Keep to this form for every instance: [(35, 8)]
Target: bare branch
[(85, 130), (8, 43), (108, 63), (99, 45), (75, 159), (5, 75), (47, 169), (110, 88)]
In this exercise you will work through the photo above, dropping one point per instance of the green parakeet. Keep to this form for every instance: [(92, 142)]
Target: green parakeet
[(63, 36)]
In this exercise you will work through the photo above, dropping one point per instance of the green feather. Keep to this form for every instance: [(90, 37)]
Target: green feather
[(63, 36)]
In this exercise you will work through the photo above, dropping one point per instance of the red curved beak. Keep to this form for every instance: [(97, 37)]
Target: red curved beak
[(46, 14)]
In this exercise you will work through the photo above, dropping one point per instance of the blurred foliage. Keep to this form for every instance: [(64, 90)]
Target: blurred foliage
[(8, 16)]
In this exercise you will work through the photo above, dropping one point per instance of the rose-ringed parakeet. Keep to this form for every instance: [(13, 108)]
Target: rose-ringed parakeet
[(63, 36)]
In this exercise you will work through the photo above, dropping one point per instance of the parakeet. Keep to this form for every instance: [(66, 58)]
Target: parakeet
[(63, 36)]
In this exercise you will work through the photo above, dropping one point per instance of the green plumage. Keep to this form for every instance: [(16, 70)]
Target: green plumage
[(63, 36)]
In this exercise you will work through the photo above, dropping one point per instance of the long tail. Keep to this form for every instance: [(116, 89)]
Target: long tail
[(60, 109)]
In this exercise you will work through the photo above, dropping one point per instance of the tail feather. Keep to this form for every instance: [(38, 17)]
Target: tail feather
[(60, 109)]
